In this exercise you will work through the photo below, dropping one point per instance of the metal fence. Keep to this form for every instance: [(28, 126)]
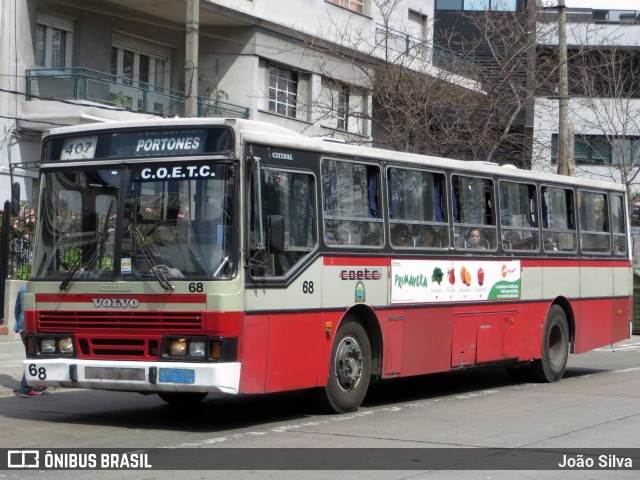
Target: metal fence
[(120, 92), (20, 242)]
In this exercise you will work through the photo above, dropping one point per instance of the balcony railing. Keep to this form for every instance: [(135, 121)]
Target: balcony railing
[(120, 92), (397, 44)]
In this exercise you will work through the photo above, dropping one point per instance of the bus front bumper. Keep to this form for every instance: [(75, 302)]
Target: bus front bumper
[(134, 376)]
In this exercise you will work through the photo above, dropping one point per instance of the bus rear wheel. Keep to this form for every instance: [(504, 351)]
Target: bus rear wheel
[(182, 399), (349, 369), (555, 347)]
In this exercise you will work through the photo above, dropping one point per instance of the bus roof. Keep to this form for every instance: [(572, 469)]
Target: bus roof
[(269, 134)]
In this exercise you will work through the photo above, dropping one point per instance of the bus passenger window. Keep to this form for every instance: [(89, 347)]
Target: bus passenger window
[(474, 224), (618, 225), (558, 221), (290, 195), (351, 198), (594, 222), (416, 208), (518, 216)]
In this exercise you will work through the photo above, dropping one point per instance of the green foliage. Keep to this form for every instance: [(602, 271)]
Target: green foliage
[(122, 101)]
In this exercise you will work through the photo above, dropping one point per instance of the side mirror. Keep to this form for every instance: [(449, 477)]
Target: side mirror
[(15, 199), (275, 225)]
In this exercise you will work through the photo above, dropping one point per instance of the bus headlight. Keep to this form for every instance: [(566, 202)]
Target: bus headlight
[(178, 347), (48, 345), (54, 345), (197, 349), (65, 345)]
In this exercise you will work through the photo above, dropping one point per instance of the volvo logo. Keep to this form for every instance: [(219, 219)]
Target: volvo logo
[(116, 302)]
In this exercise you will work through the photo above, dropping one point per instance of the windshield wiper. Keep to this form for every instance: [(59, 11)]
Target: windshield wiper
[(96, 247), (148, 256)]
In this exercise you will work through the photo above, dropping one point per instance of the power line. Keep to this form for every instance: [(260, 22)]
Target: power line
[(35, 121)]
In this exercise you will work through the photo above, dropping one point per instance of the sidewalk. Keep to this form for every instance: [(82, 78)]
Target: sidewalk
[(11, 357)]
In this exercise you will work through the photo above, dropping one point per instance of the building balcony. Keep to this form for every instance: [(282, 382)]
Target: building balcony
[(113, 93), (399, 45)]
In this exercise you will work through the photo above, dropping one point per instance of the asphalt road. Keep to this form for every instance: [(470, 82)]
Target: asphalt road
[(596, 406)]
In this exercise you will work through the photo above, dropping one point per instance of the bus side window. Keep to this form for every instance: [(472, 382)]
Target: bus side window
[(351, 203), (290, 195), (558, 221), (518, 216), (416, 216), (474, 213), (618, 225), (594, 222)]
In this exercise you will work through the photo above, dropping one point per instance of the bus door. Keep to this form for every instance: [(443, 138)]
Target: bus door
[(596, 272)]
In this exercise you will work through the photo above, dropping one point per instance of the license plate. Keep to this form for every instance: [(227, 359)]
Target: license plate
[(177, 375)]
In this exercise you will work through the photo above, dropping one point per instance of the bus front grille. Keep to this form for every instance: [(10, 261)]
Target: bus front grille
[(118, 321)]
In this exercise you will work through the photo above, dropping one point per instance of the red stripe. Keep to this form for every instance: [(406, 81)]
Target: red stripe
[(538, 262), (355, 261), (561, 262), (145, 298)]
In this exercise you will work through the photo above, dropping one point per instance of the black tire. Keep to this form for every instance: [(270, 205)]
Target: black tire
[(555, 348), (182, 399), (349, 369)]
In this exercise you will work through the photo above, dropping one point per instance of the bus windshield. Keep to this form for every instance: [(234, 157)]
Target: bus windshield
[(137, 222)]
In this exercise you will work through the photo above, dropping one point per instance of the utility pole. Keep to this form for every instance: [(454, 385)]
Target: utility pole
[(564, 167), (191, 59)]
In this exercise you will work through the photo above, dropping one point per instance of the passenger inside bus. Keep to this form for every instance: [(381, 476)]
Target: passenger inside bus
[(432, 237), (511, 240), (474, 239), (400, 237)]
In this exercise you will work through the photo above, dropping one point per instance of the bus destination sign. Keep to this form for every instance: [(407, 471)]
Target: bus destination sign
[(136, 143)]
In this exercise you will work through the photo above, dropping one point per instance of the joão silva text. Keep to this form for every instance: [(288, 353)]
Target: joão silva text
[(603, 461)]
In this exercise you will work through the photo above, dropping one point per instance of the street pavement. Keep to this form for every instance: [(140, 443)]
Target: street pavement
[(11, 357)]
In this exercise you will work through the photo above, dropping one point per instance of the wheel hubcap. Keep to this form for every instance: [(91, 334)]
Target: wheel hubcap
[(349, 361)]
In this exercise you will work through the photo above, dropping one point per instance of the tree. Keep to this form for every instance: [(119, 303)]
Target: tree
[(604, 107), (607, 101), (466, 96)]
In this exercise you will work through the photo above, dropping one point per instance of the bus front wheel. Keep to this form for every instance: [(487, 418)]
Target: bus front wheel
[(555, 347), (349, 369)]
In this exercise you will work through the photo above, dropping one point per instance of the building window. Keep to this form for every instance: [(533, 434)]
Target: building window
[(477, 5), (355, 5), (343, 107), (54, 42), (600, 150), (283, 91), (144, 66)]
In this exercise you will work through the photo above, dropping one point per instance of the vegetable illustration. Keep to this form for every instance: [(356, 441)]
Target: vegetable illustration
[(452, 276), (437, 275), (480, 276)]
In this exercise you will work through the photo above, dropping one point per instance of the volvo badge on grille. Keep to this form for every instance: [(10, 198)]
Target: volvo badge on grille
[(116, 302)]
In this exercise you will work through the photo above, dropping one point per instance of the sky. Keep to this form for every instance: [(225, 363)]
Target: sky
[(605, 4)]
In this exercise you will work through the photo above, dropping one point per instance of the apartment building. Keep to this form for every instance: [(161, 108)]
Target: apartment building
[(307, 65), (604, 88)]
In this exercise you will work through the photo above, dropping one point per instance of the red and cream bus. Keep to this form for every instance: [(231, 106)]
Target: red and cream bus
[(190, 256)]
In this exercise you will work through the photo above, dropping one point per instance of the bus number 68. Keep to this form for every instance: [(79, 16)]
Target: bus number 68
[(307, 287), (41, 372)]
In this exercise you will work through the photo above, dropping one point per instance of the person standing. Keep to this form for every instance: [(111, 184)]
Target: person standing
[(25, 390)]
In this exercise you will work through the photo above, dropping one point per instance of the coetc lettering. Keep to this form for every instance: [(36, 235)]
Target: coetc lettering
[(182, 171), (365, 274), (115, 302)]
